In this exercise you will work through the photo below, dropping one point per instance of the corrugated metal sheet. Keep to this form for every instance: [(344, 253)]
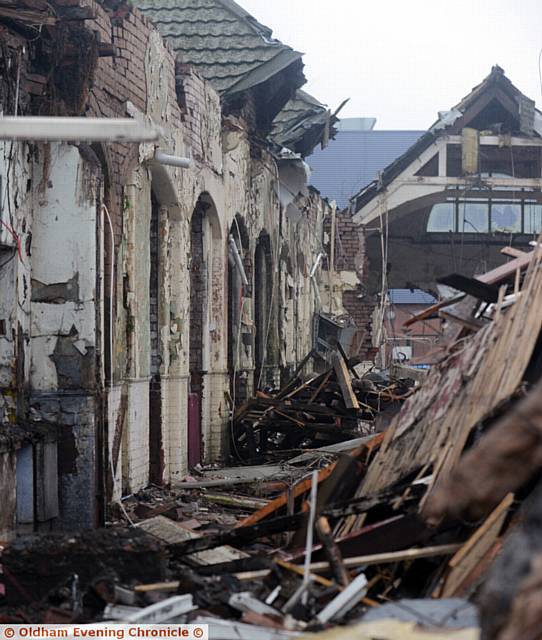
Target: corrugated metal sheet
[(408, 296), (221, 40), (353, 160)]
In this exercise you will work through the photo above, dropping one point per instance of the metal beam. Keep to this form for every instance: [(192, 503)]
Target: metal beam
[(65, 129)]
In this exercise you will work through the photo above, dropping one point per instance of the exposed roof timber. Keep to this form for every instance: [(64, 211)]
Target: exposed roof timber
[(476, 108), (407, 186), (495, 87), (303, 123)]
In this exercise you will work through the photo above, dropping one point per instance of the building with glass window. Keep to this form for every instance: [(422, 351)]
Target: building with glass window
[(469, 186)]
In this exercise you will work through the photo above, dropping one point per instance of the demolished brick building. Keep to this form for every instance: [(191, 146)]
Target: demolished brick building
[(139, 300)]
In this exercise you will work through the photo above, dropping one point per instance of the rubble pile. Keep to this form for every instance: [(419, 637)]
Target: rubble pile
[(330, 407), (390, 534)]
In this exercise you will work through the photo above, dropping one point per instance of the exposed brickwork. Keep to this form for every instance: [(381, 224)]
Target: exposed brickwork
[(198, 292), (193, 94), (347, 243), (361, 311), (350, 255), (119, 79)]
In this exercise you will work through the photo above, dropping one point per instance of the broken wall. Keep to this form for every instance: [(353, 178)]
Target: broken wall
[(119, 399), (63, 374), (344, 283)]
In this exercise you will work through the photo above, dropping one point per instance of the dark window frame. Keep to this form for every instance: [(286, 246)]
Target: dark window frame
[(460, 202)]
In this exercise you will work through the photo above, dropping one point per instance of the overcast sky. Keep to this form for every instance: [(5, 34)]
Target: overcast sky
[(403, 61)]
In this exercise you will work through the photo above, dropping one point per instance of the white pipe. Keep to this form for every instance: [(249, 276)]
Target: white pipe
[(173, 161), (310, 533), (111, 286), (238, 261), (52, 128), (315, 265)]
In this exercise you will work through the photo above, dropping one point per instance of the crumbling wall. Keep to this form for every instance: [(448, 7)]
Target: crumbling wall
[(58, 300), (8, 484), (63, 322), (346, 291), (16, 167)]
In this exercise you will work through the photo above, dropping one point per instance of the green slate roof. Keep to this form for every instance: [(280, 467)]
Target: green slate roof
[(221, 40)]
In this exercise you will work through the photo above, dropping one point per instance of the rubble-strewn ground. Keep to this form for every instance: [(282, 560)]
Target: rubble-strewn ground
[(405, 531)]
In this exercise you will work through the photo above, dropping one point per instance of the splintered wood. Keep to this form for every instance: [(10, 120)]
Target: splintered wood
[(472, 553), (480, 374)]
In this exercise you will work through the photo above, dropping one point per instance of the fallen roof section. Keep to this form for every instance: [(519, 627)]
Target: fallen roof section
[(303, 123)]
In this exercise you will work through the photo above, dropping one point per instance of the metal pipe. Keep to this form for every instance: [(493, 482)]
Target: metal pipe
[(316, 263), (52, 129), (310, 534), (238, 261), (172, 161), (111, 292)]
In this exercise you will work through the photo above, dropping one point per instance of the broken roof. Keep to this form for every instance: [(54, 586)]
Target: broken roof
[(227, 46), (494, 104), (303, 123)]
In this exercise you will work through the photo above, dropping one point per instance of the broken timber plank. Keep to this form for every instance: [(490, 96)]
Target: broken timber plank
[(157, 586), (513, 252), (345, 383), (474, 550), (241, 535), (427, 313), (281, 500), (369, 560), (506, 270), (491, 277), (333, 552), (231, 500), (27, 17)]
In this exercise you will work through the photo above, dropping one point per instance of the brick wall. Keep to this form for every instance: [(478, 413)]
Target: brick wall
[(118, 79), (191, 89), (350, 255), (198, 293)]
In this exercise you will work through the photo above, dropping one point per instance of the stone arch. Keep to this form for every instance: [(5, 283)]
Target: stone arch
[(239, 296), (164, 207), (206, 313), (264, 315)]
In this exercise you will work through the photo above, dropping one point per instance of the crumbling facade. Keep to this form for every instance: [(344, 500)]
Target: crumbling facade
[(128, 328)]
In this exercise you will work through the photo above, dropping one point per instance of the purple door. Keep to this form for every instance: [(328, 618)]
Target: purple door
[(194, 430)]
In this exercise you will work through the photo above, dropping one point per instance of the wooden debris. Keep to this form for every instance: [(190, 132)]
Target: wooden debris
[(333, 552), (327, 408), (343, 377), (173, 533), (466, 560)]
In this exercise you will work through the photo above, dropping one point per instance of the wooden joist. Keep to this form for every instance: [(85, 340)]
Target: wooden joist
[(345, 383)]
